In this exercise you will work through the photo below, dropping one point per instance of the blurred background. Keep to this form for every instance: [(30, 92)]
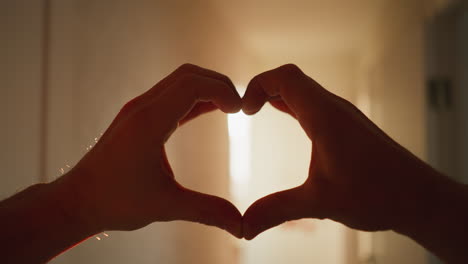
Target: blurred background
[(67, 67)]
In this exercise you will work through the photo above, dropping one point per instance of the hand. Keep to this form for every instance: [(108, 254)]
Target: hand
[(358, 175), (125, 182)]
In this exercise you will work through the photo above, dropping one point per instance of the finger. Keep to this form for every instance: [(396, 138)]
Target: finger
[(209, 210), (254, 98), (303, 96), (275, 209), (176, 102), (161, 86), (182, 70), (140, 101), (287, 82), (203, 107)]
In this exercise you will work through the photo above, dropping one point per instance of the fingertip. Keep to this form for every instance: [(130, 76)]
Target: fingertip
[(229, 101), (250, 111), (234, 226), (254, 97), (230, 108), (252, 106), (250, 237), (248, 107), (248, 232), (237, 231), (235, 107), (250, 223)]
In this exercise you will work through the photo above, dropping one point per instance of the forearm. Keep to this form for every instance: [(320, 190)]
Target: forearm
[(443, 228), (36, 225)]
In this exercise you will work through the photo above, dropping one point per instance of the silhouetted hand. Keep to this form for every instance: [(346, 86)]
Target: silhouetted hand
[(358, 175), (125, 182)]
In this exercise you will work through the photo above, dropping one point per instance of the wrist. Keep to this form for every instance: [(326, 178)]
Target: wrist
[(431, 203), (439, 223), (422, 201), (38, 223), (73, 205)]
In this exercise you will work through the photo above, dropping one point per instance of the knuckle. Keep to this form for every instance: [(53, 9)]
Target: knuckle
[(141, 116), (256, 79), (291, 68), (225, 78), (129, 106), (349, 105), (342, 103), (185, 79), (186, 67)]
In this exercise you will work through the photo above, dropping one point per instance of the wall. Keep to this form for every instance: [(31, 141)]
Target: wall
[(462, 82), (21, 24), (391, 81)]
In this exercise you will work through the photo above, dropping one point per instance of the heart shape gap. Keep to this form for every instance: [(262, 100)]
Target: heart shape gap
[(274, 136)]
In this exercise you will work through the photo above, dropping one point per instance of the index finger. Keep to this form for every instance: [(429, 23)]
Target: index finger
[(188, 68), (175, 103), (303, 97)]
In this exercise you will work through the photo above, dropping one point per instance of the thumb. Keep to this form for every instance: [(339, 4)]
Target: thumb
[(209, 210), (275, 209)]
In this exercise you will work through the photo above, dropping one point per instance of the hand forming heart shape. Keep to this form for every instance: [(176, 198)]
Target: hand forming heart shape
[(355, 177), (125, 182)]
